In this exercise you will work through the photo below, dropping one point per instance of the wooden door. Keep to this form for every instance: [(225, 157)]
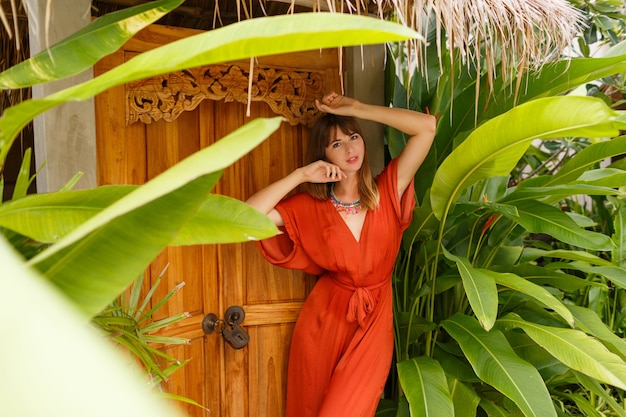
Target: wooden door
[(137, 139)]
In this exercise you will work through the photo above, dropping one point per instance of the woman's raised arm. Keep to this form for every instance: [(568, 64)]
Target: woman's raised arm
[(420, 127), (267, 198)]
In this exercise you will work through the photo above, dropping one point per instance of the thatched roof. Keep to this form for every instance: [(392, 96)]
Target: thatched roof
[(515, 34)]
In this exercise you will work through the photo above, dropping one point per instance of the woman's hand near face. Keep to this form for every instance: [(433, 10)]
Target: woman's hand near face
[(337, 104), (322, 172), (267, 198)]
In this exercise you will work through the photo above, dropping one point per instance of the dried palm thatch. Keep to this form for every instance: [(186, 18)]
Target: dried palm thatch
[(15, 49), (515, 35), (13, 53)]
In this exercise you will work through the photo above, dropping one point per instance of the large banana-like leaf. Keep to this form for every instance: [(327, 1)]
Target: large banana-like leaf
[(589, 322), (537, 217), (564, 75), (558, 192), (603, 177), (49, 217), (53, 364), (97, 260), (495, 147), (553, 79), (533, 290), (574, 348), (495, 363), (539, 275), (84, 48), (424, 384), (223, 219), (480, 289), (253, 37)]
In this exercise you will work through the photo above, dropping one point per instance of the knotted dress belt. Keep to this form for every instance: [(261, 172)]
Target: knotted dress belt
[(361, 302)]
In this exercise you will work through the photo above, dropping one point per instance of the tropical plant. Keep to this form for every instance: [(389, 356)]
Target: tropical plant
[(496, 283), (129, 321), (125, 320), (73, 278)]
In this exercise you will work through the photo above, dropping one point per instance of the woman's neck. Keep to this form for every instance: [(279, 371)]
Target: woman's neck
[(347, 190)]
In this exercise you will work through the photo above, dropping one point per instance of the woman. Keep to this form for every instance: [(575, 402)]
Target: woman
[(347, 229)]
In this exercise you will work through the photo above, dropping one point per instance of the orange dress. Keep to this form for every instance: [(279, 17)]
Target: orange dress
[(342, 344)]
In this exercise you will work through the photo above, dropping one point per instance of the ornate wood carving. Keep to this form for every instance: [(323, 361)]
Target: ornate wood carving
[(290, 93)]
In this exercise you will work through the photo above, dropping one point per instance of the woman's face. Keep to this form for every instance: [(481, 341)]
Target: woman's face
[(346, 150)]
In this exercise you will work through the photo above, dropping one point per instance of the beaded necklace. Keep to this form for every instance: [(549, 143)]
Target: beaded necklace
[(349, 208)]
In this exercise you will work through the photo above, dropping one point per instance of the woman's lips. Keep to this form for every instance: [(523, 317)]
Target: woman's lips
[(353, 160)]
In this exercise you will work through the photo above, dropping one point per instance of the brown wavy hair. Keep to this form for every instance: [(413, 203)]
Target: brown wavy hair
[(321, 132)]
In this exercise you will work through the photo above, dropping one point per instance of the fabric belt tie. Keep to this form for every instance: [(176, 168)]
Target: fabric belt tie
[(361, 302)]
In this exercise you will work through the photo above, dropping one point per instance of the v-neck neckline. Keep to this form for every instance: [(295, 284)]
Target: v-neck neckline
[(345, 224)]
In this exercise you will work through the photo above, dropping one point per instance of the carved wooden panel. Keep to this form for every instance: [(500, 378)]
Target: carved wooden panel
[(289, 92)]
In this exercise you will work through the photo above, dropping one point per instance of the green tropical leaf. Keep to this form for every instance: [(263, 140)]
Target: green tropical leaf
[(253, 37), (544, 276), (564, 75), (537, 217), (589, 322), (530, 254), (558, 192), (386, 408), (548, 366), (464, 398), (424, 384), (604, 177), (574, 348), (454, 364), (553, 79), (495, 147), (586, 159), (492, 409), (423, 224), (103, 384), (495, 363), (24, 178), (391, 408), (480, 289), (582, 404), (97, 260), (223, 219), (84, 48), (535, 291), (614, 274), (594, 386), (49, 217)]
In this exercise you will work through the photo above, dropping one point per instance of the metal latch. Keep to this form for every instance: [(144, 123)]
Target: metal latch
[(230, 328)]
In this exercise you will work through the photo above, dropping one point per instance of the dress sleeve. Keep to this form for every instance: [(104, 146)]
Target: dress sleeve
[(285, 250), (388, 183)]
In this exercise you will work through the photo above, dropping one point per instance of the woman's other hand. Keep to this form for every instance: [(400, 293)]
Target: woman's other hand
[(322, 172)]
